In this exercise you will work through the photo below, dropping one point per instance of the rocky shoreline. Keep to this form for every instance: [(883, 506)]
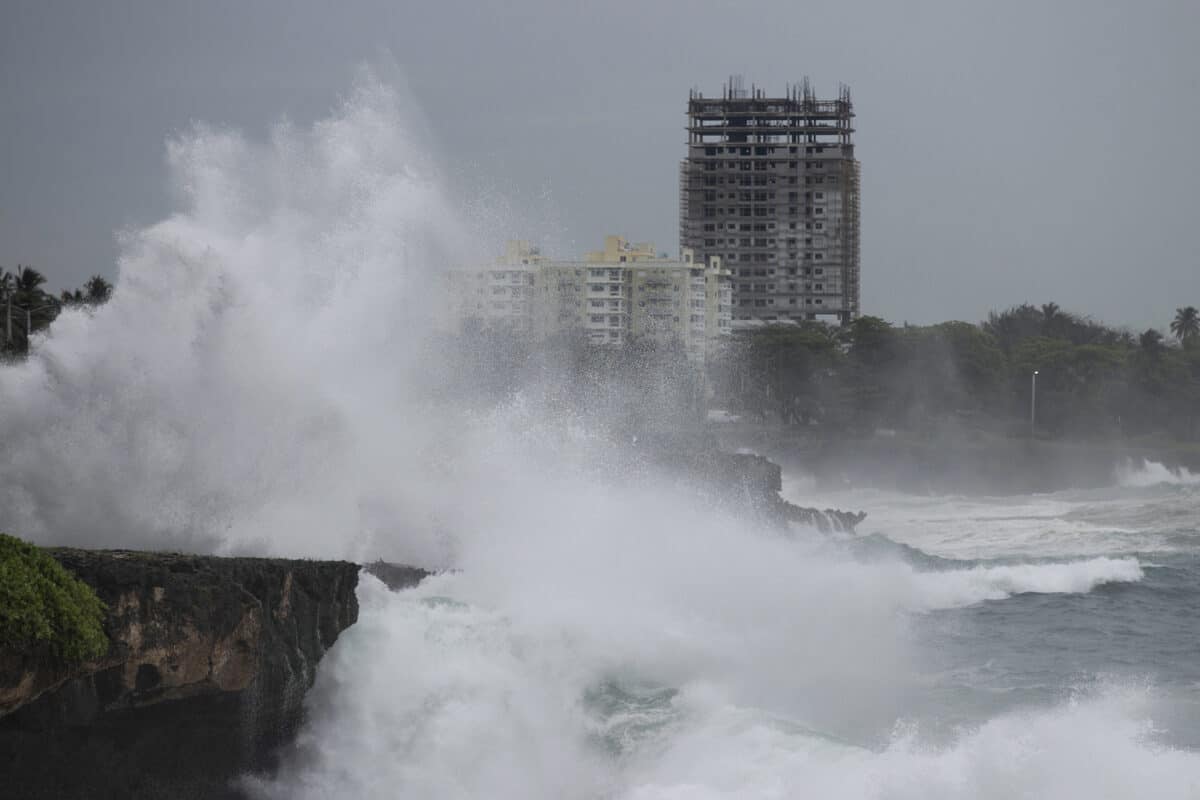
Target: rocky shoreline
[(210, 658), (749, 482), (205, 675)]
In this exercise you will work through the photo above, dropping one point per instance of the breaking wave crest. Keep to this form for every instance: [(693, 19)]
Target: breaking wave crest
[(963, 587), (1153, 473)]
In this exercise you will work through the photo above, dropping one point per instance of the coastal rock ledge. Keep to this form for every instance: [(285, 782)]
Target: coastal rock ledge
[(205, 675)]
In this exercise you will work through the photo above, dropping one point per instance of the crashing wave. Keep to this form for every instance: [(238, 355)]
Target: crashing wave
[(1153, 473)]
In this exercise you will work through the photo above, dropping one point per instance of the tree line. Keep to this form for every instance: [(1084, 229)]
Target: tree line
[(1091, 379), (27, 308)]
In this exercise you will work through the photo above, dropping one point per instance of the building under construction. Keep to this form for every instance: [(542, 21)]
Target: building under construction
[(770, 184)]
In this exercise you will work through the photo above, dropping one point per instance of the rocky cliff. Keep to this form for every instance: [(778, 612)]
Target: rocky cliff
[(207, 667), (750, 482)]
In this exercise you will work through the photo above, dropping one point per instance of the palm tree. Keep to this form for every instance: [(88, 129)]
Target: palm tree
[(1151, 341), (97, 290), (1186, 325), (1050, 318), (29, 279)]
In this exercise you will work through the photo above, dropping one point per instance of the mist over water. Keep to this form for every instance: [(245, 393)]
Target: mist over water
[(263, 381)]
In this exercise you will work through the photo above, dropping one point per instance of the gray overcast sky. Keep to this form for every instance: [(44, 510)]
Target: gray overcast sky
[(1011, 151)]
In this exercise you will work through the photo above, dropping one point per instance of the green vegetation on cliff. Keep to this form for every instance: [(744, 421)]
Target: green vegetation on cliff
[(43, 605)]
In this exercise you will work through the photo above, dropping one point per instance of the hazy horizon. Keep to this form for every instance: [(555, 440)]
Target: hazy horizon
[(1009, 154)]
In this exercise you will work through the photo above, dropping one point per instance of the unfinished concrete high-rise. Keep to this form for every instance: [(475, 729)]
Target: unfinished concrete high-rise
[(771, 185)]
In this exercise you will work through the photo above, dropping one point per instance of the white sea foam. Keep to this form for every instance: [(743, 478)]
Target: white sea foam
[(956, 588), (256, 383), (1060, 525), (432, 698), (1098, 747), (1153, 473)]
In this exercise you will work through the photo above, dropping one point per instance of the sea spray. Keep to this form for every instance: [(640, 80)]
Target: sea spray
[(260, 382)]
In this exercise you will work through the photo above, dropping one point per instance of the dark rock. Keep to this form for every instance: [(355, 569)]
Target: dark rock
[(749, 481), (396, 576), (205, 676)]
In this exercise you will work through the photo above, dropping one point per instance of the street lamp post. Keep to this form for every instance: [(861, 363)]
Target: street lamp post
[(28, 321), (1033, 403)]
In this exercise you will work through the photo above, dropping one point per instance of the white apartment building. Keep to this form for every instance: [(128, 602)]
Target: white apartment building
[(622, 292)]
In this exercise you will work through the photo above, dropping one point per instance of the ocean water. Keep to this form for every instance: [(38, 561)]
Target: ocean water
[(262, 382), (1019, 647)]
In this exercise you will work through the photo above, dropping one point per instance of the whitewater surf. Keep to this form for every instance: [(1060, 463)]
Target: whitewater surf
[(259, 384)]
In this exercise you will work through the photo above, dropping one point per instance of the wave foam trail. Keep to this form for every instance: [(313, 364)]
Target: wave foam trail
[(1083, 750), (1152, 473), (430, 697), (963, 587)]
